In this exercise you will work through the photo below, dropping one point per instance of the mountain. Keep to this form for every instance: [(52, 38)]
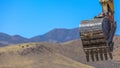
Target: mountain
[(6, 39), (57, 35), (54, 36)]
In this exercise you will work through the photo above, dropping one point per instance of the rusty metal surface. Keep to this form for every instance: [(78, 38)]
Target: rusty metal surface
[(94, 40)]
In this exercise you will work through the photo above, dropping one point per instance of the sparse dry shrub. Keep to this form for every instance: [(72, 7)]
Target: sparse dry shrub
[(22, 46), (27, 45)]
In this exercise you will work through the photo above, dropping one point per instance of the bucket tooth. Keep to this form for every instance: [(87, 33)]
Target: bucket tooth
[(96, 55), (92, 55), (87, 55), (101, 56), (110, 55), (105, 55)]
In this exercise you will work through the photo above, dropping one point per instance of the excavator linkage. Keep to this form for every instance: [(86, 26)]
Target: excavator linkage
[(96, 36)]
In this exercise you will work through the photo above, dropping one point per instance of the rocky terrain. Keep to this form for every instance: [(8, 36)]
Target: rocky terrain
[(53, 55)]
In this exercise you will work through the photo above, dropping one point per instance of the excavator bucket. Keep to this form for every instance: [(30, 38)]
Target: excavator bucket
[(96, 36)]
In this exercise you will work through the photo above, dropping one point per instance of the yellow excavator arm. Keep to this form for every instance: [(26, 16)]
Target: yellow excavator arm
[(108, 7)]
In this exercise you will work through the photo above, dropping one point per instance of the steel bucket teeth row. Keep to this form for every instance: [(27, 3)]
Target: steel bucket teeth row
[(98, 55)]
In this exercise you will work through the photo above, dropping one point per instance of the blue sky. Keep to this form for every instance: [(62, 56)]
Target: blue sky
[(29, 18)]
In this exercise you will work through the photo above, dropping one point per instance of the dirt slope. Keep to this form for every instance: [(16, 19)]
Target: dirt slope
[(73, 49), (35, 55), (117, 48)]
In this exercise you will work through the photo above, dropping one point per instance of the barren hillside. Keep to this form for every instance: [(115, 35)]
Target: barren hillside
[(35, 55)]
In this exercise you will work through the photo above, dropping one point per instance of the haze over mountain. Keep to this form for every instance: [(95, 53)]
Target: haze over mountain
[(54, 36)]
